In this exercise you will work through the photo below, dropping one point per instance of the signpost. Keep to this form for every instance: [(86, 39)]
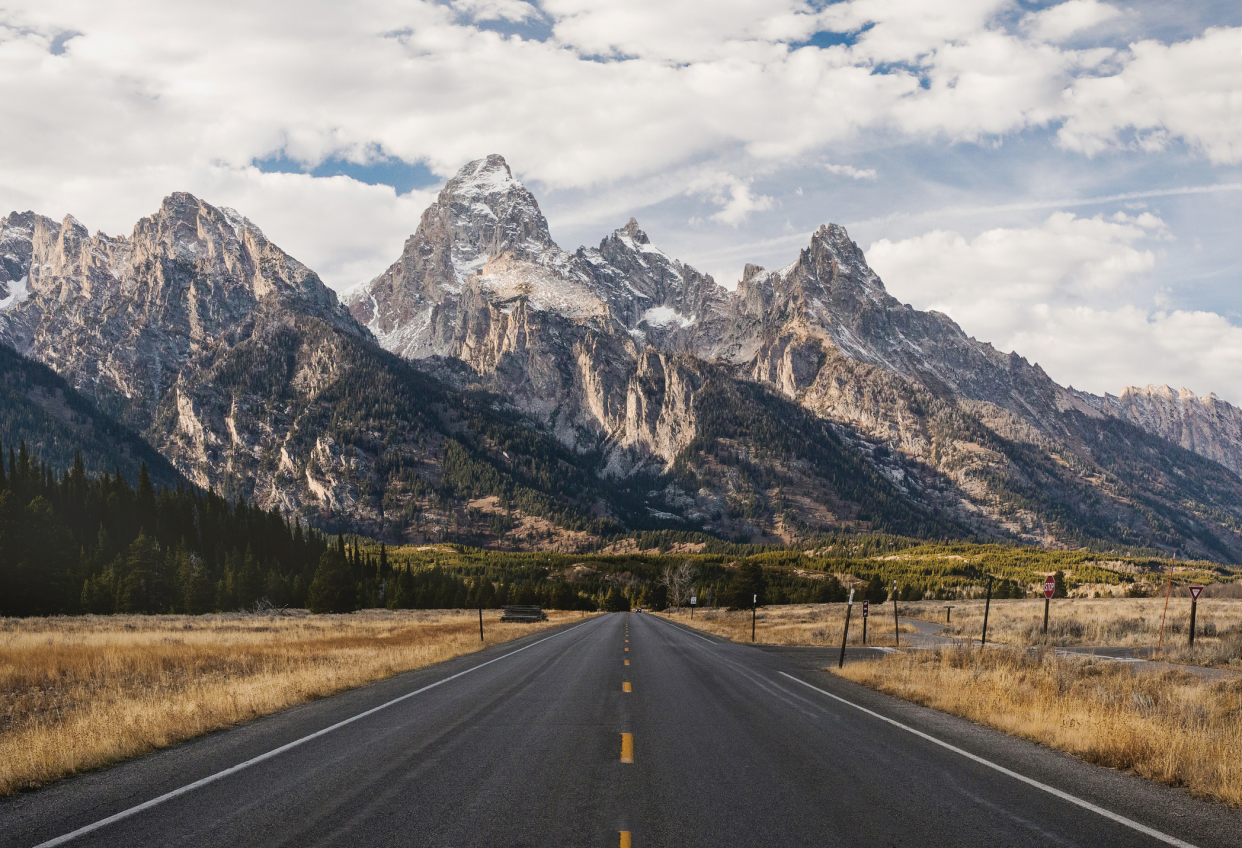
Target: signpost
[(948, 613), (866, 608), (1050, 589), (848, 609), (693, 600), (753, 609), (896, 629), (1195, 591)]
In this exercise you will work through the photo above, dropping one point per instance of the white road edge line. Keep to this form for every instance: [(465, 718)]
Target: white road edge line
[(190, 787), (685, 628), (1064, 796)]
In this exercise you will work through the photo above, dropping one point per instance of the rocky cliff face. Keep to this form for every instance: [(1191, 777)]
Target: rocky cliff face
[(1207, 426)]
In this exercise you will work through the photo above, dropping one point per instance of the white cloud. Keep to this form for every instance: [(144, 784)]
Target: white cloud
[(731, 193), (1187, 90), (153, 97), (1059, 22), (1063, 294), (851, 172), (514, 11)]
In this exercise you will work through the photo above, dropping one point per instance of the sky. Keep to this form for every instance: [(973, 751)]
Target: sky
[(1063, 179)]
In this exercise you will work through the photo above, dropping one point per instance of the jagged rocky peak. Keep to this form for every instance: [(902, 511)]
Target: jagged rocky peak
[(227, 256), (121, 316), (17, 235), (492, 212)]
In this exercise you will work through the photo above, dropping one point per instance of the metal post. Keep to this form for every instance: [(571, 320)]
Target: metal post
[(753, 611), (1194, 605), (986, 608), (846, 635), (847, 617), (896, 628), (481, 621), (1047, 601)]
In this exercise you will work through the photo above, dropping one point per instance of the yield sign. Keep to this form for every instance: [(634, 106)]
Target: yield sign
[(1050, 587), (1194, 592)]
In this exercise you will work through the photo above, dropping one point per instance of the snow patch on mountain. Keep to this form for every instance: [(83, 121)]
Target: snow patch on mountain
[(664, 316), (18, 292)]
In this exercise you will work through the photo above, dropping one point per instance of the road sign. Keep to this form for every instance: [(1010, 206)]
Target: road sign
[(1050, 587), (1194, 592), (693, 600), (866, 606)]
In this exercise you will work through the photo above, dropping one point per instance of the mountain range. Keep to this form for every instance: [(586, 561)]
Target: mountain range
[(491, 386)]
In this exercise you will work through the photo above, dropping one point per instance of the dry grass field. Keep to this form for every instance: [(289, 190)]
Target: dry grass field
[(1171, 726), (1101, 622), (79, 693), (795, 624)]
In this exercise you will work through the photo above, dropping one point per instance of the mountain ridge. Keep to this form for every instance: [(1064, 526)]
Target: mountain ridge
[(490, 385)]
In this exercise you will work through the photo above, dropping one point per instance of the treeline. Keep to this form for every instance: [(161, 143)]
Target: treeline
[(72, 544)]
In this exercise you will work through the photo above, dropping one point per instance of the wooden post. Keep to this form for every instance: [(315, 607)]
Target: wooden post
[(1194, 605), (481, 639), (896, 627), (1047, 601), (846, 635), (1167, 593), (986, 608)]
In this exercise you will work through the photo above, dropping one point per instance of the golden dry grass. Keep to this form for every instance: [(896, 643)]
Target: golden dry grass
[(795, 624), (1101, 622), (1169, 726), (79, 693)]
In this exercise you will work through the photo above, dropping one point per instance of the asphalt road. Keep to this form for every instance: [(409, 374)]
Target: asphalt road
[(730, 746)]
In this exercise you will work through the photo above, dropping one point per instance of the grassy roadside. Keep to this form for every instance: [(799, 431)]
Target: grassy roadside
[(1103, 622), (80, 693), (1169, 726), (817, 625)]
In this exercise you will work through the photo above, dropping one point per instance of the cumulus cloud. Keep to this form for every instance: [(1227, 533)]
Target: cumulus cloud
[(1162, 93), (151, 97), (1063, 294), (1057, 23)]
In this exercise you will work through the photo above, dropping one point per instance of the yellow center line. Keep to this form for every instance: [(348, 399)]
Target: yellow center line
[(627, 662), (627, 747), (625, 687), (627, 649), (625, 839)]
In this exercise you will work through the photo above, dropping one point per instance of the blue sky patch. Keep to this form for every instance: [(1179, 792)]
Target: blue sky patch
[(402, 176)]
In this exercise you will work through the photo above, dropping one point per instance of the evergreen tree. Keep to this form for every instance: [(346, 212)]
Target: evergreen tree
[(333, 589)]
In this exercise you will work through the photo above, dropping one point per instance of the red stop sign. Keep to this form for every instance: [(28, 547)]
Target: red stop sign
[(1050, 587)]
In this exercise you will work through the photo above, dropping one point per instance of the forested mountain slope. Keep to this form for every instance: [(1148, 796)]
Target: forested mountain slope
[(55, 422)]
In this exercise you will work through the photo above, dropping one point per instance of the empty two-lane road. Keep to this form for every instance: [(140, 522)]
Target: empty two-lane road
[(622, 727)]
